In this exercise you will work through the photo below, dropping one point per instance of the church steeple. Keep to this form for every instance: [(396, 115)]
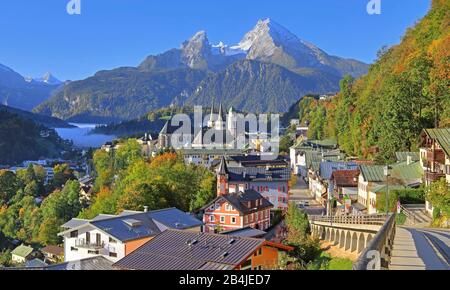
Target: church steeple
[(220, 122), (211, 117), (222, 178)]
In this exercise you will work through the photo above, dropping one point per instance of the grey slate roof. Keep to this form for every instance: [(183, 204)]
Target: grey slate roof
[(182, 250), (123, 231), (35, 263), (89, 264), (258, 174), (255, 161), (74, 223), (240, 201), (247, 232), (327, 168), (175, 219), (146, 224)]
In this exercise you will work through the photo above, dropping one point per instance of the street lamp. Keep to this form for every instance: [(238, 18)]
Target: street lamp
[(386, 173)]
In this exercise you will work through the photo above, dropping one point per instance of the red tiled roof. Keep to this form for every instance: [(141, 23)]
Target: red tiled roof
[(346, 178)]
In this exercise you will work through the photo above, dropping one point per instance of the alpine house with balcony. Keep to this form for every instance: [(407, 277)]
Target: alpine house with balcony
[(114, 237)]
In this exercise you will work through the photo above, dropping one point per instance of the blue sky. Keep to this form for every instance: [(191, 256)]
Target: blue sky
[(39, 36)]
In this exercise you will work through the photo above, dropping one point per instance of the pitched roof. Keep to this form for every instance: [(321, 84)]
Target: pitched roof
[(221, 113), (74, 223), (182, 250), (223, 170), (54, 250), (327, 168), (175, 219), (442, 137), (403, 156), (408, 173), (256, 161), (89, 264), (346, 178), (324, 144), (35, 263), (258, 174), (247, 232), (240, 201), (22, 251), (131, 225), (372, 173)]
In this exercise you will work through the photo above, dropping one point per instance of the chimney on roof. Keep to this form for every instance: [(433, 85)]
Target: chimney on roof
[(409, 160), (145, 208)]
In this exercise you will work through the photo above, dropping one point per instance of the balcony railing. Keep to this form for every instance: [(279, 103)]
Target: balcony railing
[(82, 243), (433, 176)]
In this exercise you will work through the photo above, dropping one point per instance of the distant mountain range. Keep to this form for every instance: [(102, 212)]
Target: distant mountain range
[(47, 78), (25, 93), (268, 71)]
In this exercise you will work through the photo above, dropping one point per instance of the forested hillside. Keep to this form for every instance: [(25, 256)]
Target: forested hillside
[(21, 139), (406, 90)]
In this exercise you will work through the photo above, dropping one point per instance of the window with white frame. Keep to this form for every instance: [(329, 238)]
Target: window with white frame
[(222, 219), (233, 220), (227, 207), (211, 218)]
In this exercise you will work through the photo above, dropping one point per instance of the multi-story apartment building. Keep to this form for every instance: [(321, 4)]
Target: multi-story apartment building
[(270, 178), (114, 237), (235, 206), (370, 177), (435, 156)]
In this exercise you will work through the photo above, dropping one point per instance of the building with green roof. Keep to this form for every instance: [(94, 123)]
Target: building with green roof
[(408, 174), (404, 156), (372, 173), (21, 254)]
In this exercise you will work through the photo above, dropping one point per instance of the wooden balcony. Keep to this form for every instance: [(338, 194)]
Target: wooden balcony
[(434, 176)]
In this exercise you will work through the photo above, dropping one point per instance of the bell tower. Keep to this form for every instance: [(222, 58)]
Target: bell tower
[(222, 178)]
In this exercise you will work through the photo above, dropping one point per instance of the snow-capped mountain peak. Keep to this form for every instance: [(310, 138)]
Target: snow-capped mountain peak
[(199, 40), (47, 78), (269, 31), (223, 49)]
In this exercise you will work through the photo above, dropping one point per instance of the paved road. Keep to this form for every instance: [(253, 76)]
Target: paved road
[(301, 192), (421, 249)]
